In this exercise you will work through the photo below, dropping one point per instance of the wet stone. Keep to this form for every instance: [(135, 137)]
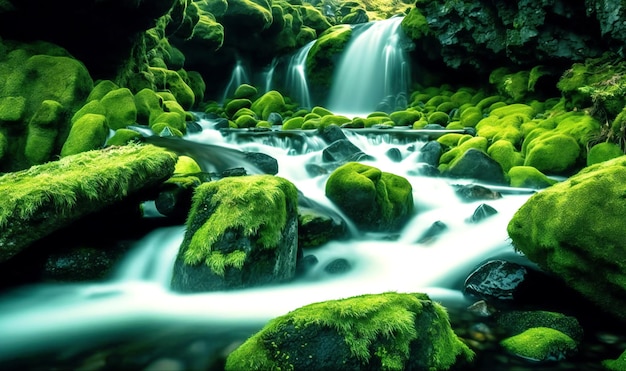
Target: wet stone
[(495, 280), (338, 266)]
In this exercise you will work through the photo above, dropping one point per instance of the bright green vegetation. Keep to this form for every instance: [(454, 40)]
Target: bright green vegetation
[(373, 199), (257, 205), (36, 201), (321, 59), (618, 364), (540, 344), (575, 230), (397, 331)]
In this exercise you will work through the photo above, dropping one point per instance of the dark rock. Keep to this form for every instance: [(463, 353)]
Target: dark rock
[(266, 163), (471, 192), (435, 230), (275, 118), (343, 150), (338, 266), (482, 212), (430, 153), (331, 133), (495, 280), (475, 164), (220, 123), (394, 154), (305, 264)]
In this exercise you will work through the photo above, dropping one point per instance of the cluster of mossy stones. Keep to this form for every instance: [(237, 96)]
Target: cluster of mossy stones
[(50, 107)]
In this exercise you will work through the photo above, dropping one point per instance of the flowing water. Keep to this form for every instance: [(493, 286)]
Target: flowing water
[(49, 318), (373, 70)]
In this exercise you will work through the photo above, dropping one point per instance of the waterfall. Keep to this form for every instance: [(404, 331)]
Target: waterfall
[(373, 72), (296, 82), (237, 77)]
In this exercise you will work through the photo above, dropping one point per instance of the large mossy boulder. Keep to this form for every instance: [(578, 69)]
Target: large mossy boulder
[(574, 229), (42, 199), (241, 232), (34, 75), (323, 55), (371, 198), (387, 331)]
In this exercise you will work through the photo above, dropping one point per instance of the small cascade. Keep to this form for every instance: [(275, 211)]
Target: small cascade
[(373, 73), (296, 82), (238, 76)]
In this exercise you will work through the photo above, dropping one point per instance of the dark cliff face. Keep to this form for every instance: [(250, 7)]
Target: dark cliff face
[(100, 33), (484, 34)]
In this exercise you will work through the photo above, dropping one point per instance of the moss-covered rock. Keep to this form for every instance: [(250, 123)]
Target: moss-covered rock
[(241, 231), (293, 123), (388, 331), (515, 322), (43, 132), (322, 56), (603, 152), (415, 25), (149, 105), (615, 364), (373, 199), (505, 153), (44, 198), (88, 133), (101, 88), (553, 153), (528, 177), (272, 101), (120, 108), (124, 136), (405, 117), (573, 229), (540, 344), (172, 81)]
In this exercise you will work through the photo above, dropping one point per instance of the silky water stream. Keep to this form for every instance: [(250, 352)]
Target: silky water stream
[(135, 311)]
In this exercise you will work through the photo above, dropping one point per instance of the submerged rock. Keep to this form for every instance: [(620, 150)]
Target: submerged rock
[(389, 331), (241, 232)]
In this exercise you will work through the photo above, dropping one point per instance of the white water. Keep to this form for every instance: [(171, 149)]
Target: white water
[(296, 84), (238, 76), (49, 316), (373, 68)]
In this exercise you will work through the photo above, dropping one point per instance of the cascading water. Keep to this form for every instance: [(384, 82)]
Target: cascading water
[(237, 77), (373, 72), (71, 319), (296, 84)]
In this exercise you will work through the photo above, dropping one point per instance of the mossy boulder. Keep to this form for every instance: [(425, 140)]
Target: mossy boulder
[(505, 153), (241, 232), (323, 55), (89, 132), (272, 101), (517, 321), (42, 140), (553, 153), (618, 364), (387, 331), (573, 229), (603, 152), (528, 177), (100, 89), (34, 73), (44, 198), (120, 108), (149, 105), (255, 14), (415, 25), (124, 136), (540, 344), (172, 81), (405, 117), (313, 18), (371, 198)]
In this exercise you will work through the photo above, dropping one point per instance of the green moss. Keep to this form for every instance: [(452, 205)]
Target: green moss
[(405, 117), (505, 153), (321, 111), (584, 249), (88, 133), (455, 153), (371, 198), (12, 110), (312, 17), (43, 132), (256, 205), (615, 364), (438, 118), (257, 14), (321, 59), (235, 105), (246, 121), (528, 177), (272, 101), (120, 108), (552, 153), (541, 344), (293, 123), (333, 120), (602, 152), (377, 329), (124, 136), (149, 105), (172, 81), (102, 88), (471, 116), (415, 24), (245, 91), (208, 32), (46, 197), (171, 119)]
